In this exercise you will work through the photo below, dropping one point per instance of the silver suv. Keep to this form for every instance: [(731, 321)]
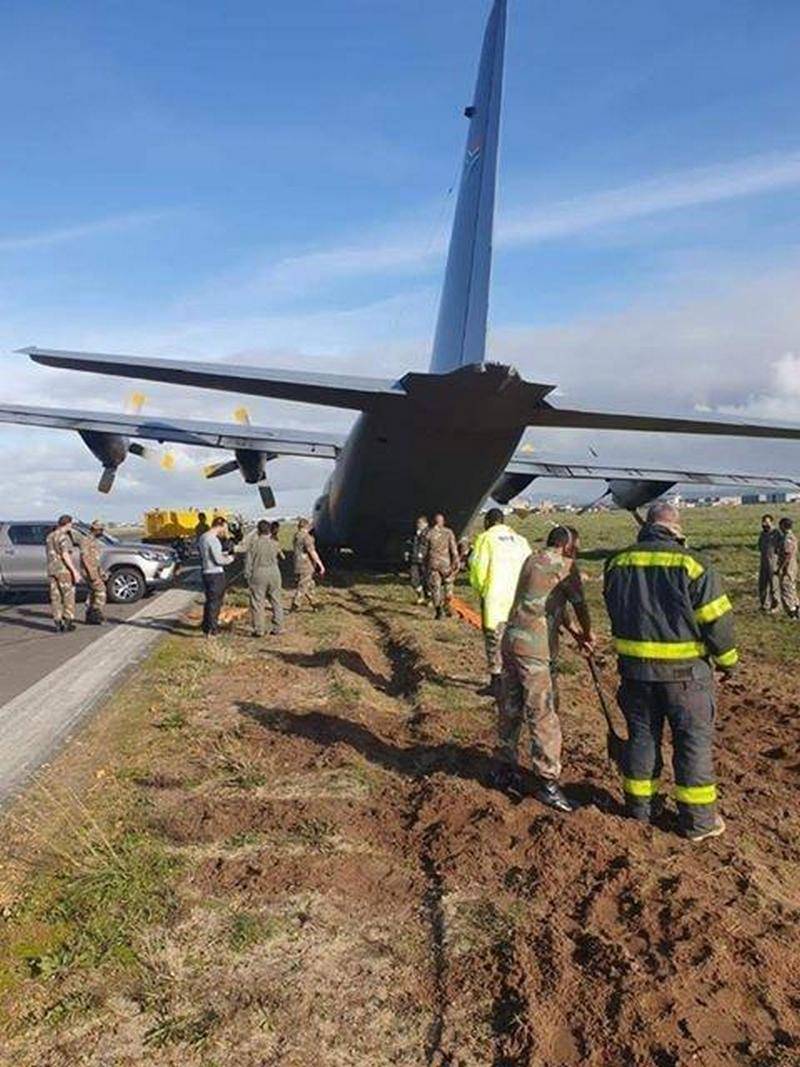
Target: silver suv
[(133, 569)]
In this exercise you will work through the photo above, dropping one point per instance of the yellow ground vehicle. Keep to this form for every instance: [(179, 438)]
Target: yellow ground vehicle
[(177, 526)]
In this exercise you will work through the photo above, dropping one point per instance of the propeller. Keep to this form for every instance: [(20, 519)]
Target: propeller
[(113, 449), (251, 464)]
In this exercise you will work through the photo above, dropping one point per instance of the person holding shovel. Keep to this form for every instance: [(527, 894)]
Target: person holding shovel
[(548, 580)]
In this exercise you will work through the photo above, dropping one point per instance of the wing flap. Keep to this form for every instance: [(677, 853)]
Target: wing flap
[(329, 390), (181, 431)]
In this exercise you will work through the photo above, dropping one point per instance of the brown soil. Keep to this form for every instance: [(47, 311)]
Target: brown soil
[(419, 916)]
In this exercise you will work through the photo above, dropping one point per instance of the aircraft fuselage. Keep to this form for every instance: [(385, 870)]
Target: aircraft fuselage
[(440, 449)]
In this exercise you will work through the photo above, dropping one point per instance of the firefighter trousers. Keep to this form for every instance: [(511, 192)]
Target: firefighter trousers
[(688, 707)]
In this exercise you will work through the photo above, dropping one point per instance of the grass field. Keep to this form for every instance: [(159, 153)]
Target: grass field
[(289, 853)]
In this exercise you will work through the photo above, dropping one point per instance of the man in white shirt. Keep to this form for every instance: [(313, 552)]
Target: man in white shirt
[(213, 561)]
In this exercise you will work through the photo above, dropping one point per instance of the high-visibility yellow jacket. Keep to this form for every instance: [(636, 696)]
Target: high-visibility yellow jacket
[(497, 558)]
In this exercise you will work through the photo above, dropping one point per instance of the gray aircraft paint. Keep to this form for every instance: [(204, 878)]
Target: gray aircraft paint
[(429, 442)]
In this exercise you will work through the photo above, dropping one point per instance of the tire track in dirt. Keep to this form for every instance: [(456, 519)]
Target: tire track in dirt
[(513, 1041), (407, 666)]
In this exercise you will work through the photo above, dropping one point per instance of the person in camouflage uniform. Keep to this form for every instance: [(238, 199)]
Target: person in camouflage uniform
[(549, 579), (91, 547), (787, 569), (62, 574), (417, 569), (306, 561), (442, 564)]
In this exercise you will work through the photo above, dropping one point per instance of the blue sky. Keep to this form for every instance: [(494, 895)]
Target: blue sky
[(270, 182)]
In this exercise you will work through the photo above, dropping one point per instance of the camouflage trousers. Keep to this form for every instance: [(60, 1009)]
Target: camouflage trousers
[(493, 642), (528, 695), (305, 589), (96, 600), (440, 587), (62, 597), (788, 589)]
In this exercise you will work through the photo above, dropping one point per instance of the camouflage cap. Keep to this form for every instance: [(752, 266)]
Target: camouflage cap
[(97, 524)]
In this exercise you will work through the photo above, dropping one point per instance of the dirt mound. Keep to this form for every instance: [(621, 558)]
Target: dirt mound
[(341, 800)]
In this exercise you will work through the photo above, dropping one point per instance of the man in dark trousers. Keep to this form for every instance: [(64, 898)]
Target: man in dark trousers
[(768, 547), (672, 626), (213, 561)]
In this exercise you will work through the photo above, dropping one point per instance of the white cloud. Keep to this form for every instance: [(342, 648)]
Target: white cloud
[(410, 250), (64, 234)]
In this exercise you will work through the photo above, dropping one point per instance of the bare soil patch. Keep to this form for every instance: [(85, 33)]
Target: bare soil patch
[(351, 890)]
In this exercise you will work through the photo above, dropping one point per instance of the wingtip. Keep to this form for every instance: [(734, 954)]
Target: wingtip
[(30, 350)]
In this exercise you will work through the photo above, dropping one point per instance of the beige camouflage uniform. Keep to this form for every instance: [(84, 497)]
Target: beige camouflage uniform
[(302, 547), (787, 572), (528, 688), (442, 563), (62, 585), (91, 551)]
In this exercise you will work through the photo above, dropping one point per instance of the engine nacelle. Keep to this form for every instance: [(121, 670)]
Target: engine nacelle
[(110, 448), (508, 486), (252, 464), (631, 495)]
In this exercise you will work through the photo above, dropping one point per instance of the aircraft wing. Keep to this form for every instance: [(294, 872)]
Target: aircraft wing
[(544, 414), (332, 390), (182, 431), (522, 464)]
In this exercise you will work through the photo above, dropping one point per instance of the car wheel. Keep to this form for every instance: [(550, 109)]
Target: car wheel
[(125, 586)]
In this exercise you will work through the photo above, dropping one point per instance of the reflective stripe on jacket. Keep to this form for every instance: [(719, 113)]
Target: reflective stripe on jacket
[(497, 558), (668, 609)]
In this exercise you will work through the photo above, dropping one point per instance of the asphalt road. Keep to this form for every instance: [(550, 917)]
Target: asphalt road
[(29, 646)]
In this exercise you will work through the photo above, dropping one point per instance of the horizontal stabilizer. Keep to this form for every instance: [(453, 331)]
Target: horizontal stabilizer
[(546, 415), (330, 390)]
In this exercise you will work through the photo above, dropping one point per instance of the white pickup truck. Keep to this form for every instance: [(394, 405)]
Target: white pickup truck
[(133, 569)]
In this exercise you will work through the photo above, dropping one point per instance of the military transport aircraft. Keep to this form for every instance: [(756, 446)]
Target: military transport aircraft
[(444, 440)]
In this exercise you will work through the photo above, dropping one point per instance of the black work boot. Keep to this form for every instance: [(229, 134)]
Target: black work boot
[(549, 792), (59, 625), (509, 780), (492, 687), (438, 612), (70, 626)]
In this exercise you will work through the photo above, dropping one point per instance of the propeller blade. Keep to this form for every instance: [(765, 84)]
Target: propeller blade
[(134, 403), (242, 416), (267, 495), (165, 459), (216, 470), (594, 503), (107, 479)]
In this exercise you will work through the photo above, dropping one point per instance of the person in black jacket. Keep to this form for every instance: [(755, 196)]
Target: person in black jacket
[(672, 625)]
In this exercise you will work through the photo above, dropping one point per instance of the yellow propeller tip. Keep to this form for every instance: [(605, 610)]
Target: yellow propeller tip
[(242, 415), (168, 461)]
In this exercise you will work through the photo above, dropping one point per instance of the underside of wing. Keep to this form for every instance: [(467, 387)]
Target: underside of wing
[(521, 465), (330, 390), (180, 431), (547, 415)]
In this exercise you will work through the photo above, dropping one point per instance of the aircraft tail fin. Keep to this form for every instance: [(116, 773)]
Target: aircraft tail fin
[(461, 327)]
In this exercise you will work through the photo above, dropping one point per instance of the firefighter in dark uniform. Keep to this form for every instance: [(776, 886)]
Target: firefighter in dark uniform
[(672, 625)]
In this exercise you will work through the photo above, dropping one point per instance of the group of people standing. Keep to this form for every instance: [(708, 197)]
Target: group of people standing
[(777, 576), (262, 556), (435, 560), (672, 629), (64, 572)]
